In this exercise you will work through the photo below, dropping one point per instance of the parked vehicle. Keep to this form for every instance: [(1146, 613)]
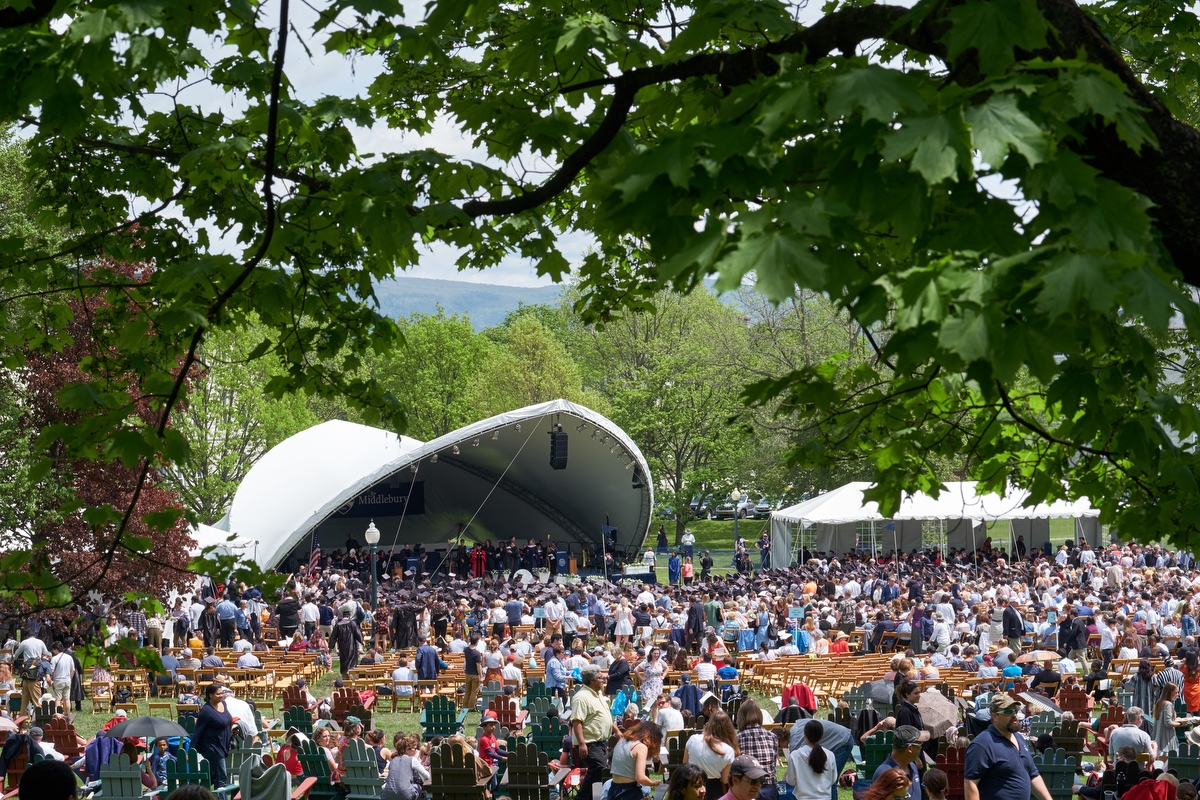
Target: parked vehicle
[(727, 510), (702, 506), (665, 512), (763, 508)]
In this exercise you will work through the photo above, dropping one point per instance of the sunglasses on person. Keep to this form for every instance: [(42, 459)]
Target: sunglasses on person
[(1007, 712)]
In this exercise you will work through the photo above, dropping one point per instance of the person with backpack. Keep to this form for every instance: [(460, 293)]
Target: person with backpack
[(28, 661)]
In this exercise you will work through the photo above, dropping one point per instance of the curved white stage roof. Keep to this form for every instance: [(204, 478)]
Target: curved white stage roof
[(334, 478)]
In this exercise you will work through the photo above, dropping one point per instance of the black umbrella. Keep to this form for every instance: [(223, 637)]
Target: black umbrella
[(147, 728), (879, 691)]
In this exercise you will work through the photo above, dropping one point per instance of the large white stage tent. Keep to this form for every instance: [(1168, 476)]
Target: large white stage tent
[(494, 479), (830, 522)]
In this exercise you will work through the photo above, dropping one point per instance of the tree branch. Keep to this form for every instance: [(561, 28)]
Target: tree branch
[(842, 30)]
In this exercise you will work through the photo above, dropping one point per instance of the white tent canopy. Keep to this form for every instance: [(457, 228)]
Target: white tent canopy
[(958, 509), (491, 479)]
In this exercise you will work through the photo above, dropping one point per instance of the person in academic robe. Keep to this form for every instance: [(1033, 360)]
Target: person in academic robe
[(347, 637)]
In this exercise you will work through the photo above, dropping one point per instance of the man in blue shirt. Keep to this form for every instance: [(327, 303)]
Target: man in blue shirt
[(513, 610), (905, 755), (556, 673), (227, 614), (1002, 755)]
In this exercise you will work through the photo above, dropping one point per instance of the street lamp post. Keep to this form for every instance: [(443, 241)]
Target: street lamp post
[(372, 537), (735, 496)]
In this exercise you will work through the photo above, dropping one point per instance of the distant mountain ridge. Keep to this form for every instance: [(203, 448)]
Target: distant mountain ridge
[(485, 303)]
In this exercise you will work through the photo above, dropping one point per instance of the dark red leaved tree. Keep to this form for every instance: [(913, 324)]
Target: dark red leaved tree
[(82, 552)]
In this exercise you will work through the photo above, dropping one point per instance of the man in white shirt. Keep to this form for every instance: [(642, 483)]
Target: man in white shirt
[(649, 559), (688, 540), (310, 615), (248, 660), (646, 596), (788, 648), (241, 711), (31, 647), (522, 647), (194, 611), (48, 750), (456, 645), (31, 650), (62, 669), (853, 589), (241, 645), (511, 672), (577, 660), (555, 611), (705, 671), (403, 673), (670, 717)]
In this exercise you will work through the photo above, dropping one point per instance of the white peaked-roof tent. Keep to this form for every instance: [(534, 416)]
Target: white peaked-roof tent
[(488, 480), (959, 511)]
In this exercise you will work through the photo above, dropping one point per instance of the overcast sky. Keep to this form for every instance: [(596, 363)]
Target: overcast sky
[(331, 74)]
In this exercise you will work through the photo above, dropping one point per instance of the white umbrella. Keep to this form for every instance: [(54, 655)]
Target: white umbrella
[(938, 713)]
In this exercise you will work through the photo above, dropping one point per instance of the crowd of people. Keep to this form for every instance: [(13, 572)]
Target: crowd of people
[(970, 612)]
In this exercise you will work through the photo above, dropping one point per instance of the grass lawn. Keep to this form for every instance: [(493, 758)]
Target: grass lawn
[(714, 534)]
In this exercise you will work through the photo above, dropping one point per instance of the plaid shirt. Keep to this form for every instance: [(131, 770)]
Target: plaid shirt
[(763, 745), (137, 621)]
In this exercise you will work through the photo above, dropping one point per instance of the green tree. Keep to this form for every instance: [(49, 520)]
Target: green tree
[(665, 374), (530, 366), (435, 374), (231, 419), (687, 139)]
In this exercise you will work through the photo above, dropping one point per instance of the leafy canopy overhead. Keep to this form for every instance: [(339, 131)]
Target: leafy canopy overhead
[(718, 138)]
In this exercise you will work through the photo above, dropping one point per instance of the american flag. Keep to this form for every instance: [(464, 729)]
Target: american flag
[(316, 554)]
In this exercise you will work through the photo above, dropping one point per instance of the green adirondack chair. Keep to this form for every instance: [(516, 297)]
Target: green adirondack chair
[(239, 755), (298, 718), (487, 693), (1058, 771), (119, 780), (548, 734), (441, 717), (537, 707), (855, 698), (874, 750), (675, 748), (188, 770), (843, 716), (534, 691), (1125, 698), (316, 765), (1070, 737), (452, 772), (1186, 762), (528, 773), (1042, 723), (188, 723), (362, 781)]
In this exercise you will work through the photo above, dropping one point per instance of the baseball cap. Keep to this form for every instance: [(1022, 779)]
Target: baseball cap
[(1001, 702), (908, 734), (35, 731), (747, 766), (121, 713)]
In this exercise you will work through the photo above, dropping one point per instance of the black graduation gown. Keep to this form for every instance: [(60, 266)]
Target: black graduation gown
[(406, 626), (348, 639)]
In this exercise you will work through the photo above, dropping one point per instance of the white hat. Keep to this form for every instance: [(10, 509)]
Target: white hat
[(121, 713)]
